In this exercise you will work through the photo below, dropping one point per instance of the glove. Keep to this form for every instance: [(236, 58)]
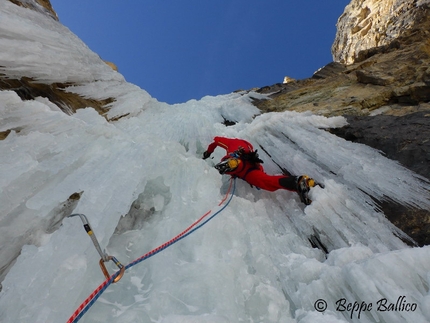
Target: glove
[(206, 154)]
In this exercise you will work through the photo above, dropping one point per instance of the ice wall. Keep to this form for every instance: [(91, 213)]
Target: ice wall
[(252, 263)]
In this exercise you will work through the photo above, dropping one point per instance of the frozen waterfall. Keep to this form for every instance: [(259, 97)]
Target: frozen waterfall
[(141, 181)]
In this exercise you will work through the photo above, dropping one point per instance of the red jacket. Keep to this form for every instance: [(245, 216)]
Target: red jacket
[(232, 145), (251, 172)]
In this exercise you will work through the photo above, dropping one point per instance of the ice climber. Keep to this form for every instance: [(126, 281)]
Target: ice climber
[(242, 161)]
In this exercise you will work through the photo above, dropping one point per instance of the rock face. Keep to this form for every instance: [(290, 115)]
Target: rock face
[(69, 103), (380, 80), (409, 144), (43, 6), (407, 140), (367, 24)]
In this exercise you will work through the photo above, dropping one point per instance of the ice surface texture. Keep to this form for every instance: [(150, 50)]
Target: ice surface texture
[(253, 263)]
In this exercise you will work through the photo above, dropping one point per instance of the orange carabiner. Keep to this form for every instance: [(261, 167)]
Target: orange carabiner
[(117, 263)]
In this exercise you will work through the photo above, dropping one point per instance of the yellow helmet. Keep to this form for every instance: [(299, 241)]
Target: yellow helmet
[(228, 165), (233, 163)]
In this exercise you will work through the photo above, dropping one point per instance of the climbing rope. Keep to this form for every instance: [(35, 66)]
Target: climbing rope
[(91, 299)]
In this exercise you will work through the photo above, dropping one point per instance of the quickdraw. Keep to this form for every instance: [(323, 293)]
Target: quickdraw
[(104, 256)]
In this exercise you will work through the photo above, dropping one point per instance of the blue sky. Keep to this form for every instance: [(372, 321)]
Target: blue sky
[(182, 50)]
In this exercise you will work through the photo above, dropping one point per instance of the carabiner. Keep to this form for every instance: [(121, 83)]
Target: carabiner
[(117, 263)]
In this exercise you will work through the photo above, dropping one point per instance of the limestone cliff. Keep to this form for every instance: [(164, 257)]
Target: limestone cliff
[(367, 24)]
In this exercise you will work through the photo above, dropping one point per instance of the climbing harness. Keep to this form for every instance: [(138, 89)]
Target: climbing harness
[(91, 299)]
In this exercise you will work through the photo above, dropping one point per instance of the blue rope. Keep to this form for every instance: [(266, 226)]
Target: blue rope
[(94, 299)]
